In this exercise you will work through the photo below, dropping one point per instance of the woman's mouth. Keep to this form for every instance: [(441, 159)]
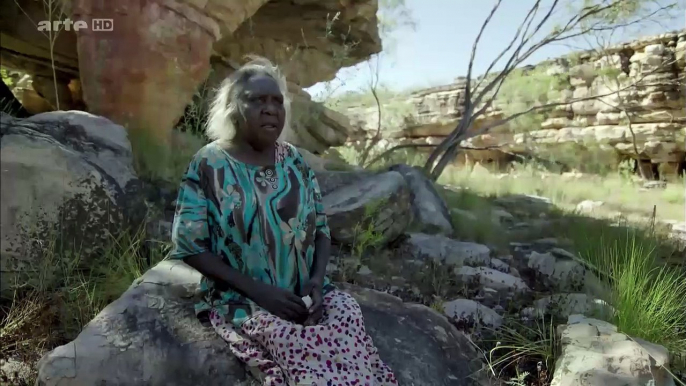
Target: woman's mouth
[(269, 127)]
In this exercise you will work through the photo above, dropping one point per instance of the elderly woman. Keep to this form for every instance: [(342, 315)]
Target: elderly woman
[(249, 218)]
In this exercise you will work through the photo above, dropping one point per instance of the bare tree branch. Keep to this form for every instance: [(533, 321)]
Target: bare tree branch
[(581, 23)]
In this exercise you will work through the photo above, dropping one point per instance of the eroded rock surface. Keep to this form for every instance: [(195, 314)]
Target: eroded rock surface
[(67, 177), (594, 353), (382, 200), (431, 214), (150, 336), (143, 71)]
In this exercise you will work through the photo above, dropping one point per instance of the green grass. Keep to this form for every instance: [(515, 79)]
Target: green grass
[(477, 224), (566, 191), (647, 295), (525, 353), (155, 162), (53, 302)]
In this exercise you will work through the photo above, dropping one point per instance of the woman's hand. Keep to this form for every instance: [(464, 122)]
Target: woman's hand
[(314, 289), (280, 302)]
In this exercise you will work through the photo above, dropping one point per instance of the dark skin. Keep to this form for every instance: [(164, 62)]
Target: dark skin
[(254, 143)]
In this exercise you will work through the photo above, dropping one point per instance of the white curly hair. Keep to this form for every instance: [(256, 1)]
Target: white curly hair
[(225, 108)]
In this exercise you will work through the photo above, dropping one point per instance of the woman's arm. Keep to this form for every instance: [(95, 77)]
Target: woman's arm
[(322, 253), (322, 242), (215, 268)]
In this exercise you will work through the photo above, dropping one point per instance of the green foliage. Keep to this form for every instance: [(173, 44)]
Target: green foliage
[(366, 236), (364, 98), (366, 239), (56, 298), (472, 217), (164, 162), (566, 191), (523, 89), (7, 77), (613, 12), (516, 342), (196, 113), (598, 159), (392, 15), (648, 296)]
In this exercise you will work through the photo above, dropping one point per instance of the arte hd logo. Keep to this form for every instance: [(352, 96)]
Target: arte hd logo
[(100, 25)]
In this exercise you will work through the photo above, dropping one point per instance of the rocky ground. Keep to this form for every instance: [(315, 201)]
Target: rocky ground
[(453, 293)]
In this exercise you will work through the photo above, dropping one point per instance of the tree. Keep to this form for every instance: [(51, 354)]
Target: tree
[(593, 16)]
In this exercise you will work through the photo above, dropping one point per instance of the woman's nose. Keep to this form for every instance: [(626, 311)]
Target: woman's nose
[(270, 108)]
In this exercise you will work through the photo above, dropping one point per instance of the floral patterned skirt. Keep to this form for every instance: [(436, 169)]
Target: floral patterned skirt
[(335, 352)]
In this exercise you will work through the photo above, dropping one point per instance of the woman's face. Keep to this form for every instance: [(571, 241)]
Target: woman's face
[(263, 108)]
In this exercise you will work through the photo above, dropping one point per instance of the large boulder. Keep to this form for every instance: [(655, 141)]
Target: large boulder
[(431, 214), (329, 181), (381, 201), (593, 352), (446, 251), (150, 336), (65, 175)]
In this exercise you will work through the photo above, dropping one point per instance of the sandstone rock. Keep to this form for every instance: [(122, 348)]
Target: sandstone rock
[(594, 353), (501, 266), (589, 206), (319, 164), (469, 311), (150, 336), (430, 211), (561, 274), (501, 216), (66, 175), (329, 181), (654, 98), (159, 52), (382, 200), (491, 278), (566, 304), (447, 251), (290, 33)]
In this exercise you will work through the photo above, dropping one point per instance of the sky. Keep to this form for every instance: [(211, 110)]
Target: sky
[(437, 49)]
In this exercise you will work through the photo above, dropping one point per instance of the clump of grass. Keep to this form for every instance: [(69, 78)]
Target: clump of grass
[(366, 239), (56, 299), (523, 353), (647, 296), (154, 161)]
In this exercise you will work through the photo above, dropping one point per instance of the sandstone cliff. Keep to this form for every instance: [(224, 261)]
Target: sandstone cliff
[(656, 106), (144, 72)]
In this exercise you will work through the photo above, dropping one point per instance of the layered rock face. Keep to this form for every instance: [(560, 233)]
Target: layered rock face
[(144, 71), (656, 107)]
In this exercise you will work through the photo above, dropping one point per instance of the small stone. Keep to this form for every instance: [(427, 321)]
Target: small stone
[(563, 253), (500, 265), (589, 206), (364, 271), (655, 185), (469, 310), (489, 277)]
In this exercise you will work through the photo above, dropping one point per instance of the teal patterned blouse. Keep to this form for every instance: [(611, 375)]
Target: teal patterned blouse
[(261, 220)]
